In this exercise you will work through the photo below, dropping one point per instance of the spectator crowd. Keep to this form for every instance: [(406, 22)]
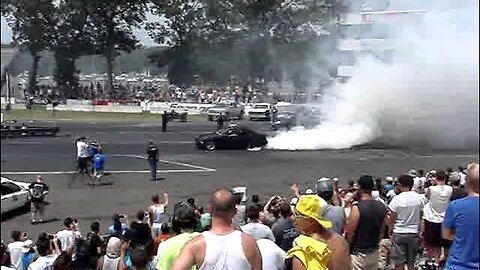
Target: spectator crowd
[(413, 221)]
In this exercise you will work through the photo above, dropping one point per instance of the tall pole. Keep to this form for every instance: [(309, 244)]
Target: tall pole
[(9, 104)]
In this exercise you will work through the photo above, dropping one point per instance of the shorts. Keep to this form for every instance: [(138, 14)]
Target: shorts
[(433, 235), (37, 207), (364, 261), (404, 249), (156, 229)]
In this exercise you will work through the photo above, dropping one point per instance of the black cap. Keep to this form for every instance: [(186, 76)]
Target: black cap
[(184, 212), (324, 185)]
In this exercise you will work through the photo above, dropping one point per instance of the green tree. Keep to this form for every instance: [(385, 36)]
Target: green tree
[(112, 23), (247, 39), (180, 30), (32, 27), (72, 38)]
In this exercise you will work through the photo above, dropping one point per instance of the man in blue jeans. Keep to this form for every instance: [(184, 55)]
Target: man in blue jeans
[(461, 224), (152, 153)]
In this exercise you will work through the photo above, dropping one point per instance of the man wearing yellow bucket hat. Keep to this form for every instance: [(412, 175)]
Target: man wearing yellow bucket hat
[(317, 247)]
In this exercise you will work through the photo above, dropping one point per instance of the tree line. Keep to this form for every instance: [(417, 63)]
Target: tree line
[(208, 40)]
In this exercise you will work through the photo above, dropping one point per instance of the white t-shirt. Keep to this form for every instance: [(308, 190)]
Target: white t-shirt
[(258, 231), (272, 255), (408, 206), (463, 179), (43, 263), (15, 250), (434, 210), (67, 237), (391, 194), (82, 149)]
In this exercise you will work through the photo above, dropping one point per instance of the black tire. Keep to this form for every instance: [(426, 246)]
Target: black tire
[(210, 145)]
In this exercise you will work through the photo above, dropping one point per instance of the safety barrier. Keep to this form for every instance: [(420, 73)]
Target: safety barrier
[(91, 108)]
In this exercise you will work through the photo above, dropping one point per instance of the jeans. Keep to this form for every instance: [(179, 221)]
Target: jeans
[(153, 168)]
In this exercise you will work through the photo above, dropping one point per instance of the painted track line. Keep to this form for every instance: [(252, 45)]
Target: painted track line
[(173, 162), (112, 172)]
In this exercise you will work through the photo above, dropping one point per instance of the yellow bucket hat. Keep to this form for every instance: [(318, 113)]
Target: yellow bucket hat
[(312, 206)]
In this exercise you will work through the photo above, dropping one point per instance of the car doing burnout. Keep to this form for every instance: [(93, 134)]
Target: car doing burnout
[(234, 137)]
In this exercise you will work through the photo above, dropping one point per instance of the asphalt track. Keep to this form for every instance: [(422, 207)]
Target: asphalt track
[(185, 171)]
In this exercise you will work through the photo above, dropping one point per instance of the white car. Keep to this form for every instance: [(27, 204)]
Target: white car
[(14, 195), (260, 111)]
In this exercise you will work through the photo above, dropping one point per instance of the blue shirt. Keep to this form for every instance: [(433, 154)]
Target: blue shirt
[(92, 150), (112, 231), (389, 187), (98, 161), (462, 216)]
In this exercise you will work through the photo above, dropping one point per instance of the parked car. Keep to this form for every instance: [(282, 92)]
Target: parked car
[(287, 117), (229, 110), (174, 115), (14, 195), (233, 137), (260, 111)]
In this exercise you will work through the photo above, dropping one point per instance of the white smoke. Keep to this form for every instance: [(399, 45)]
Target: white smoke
[(427, 97)]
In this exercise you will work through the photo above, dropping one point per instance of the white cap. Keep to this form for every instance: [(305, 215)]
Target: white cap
[(323, 179), (389, 179), (309, 191)]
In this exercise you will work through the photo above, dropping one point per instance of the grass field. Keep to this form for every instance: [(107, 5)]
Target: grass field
[(41, 114)]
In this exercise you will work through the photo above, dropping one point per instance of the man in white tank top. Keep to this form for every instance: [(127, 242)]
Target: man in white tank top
[(433, 215), (222, 247)]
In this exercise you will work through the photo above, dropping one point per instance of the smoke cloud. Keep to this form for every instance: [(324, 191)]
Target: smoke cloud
[(427, 96)]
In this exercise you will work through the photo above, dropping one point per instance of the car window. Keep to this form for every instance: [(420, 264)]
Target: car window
[(232, 131), (8, 188)]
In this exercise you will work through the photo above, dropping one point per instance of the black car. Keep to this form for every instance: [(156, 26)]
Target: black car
[(233, 137)]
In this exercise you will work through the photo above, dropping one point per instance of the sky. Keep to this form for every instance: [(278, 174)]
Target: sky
[(141, 34)]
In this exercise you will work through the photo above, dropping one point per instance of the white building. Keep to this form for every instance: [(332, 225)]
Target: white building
[(369, 33)]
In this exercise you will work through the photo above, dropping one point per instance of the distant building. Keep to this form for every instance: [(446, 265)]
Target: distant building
[(369, 33)]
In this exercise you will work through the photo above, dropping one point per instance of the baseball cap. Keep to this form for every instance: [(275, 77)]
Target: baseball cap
[(324, 184), (184, 212), (412, 173), (389, 179), (309, 191), (312, 206)]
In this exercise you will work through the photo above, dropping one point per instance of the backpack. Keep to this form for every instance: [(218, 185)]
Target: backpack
[(37, 192)]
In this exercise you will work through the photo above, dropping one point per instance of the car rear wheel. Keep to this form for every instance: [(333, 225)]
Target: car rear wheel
[(210, 145)]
